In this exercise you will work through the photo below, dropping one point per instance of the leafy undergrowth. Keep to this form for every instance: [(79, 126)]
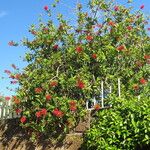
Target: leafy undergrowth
[(125, 126)]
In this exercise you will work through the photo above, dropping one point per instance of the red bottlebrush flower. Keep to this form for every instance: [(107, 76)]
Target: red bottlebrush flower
[(111, 23), (11, 43), (7, 71), (14, 97), (38, 114), (45, 29), (23, 119), (48, 97), (43, 111), (72, 103), (79, 49), (33, 32), (46, 8), (121, 48), (14, 66), (89, 38), (7, 98), (142, 6), (38, 90), (97, 107), (13, 82), (80, 84), (55, 47), (129, 27), (16, 100), (17, 76), (116, 8), (57, 113), (148, 29), (147, 56), (73, 108), (143, 81), (94, 56), (53, 83), (136, 87), (18, 111)]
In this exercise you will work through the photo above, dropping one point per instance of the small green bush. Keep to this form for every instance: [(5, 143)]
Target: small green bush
[(125, 126)]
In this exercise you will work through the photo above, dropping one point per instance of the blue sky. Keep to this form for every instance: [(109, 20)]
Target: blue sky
[(16, 16)]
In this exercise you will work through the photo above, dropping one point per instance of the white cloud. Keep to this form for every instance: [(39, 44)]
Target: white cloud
[(2, 14)]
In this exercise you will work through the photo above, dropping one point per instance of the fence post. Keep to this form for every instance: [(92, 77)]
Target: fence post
[(119, 90), (110, 89), (87, 103), (102, 93)]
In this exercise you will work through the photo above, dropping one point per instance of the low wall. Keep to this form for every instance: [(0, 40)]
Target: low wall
[(12, 137)]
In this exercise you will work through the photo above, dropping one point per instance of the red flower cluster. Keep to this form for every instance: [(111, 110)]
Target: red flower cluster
[(43, 112), (94, 56), (46, 8), (72, 102), (18, 111), (142, 6), (56, 112), (79, 49), (33, 32), (38, 90), (17, 76), (72, 105), (23, 119), (14, 66), (55, 47), (13, 82), (111, 23), (48, 97), (7, 98), (53, 83), (148, 29), (89, 38), (97, 107), (129, 27), (80, 84), (121, 48), (143, 81), (7, 71), (147, 56), (116, 8), (12, 43), (16, 100)]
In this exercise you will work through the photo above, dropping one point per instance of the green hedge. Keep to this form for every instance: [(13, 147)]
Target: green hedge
[(126, 126)]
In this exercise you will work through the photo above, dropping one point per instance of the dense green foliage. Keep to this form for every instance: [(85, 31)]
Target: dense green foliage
[(125, 126)]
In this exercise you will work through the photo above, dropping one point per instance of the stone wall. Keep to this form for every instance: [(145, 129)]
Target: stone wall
[(12, 137)]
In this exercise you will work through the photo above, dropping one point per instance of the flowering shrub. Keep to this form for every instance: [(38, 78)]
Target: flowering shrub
[(66, 63)]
